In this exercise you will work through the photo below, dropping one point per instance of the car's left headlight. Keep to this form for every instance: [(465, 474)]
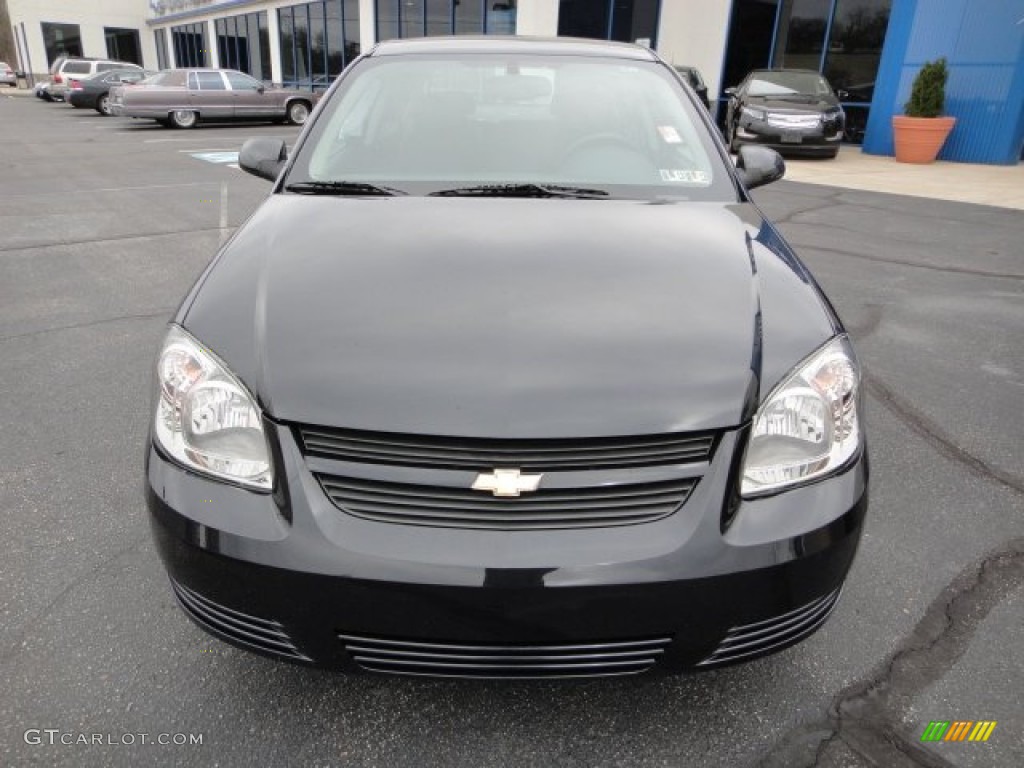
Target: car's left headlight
[(809, 426), (756, 114), (205, 418)]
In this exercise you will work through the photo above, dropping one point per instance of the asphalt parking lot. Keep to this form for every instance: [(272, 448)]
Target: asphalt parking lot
[(105, 223)]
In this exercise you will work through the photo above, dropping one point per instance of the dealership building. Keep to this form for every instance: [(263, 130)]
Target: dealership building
[(870, 49)]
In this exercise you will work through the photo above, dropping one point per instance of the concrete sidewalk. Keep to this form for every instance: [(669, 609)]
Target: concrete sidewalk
[(999, 185)]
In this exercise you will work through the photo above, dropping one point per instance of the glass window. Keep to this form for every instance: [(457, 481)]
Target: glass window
[(387, 19), (76, 68), (855, 46), (189, 42), (416, 18), (469, 17), (300, 22), (61, 40), (210, 81), (424, 123), (172, 79), (787, 83), (438, 15), (501, 18), (624, 20), (160, 36), (335, 40), (264, 47), (318, 40), (240, 82), (123, 44), (802, 25), (584, 18), (317, 43), (284, 25), (351, 30)]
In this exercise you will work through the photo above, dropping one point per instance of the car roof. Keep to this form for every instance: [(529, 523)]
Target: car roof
[(551, 46)]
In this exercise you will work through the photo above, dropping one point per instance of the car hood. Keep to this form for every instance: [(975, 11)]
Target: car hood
[(811, 104), (507, 317)]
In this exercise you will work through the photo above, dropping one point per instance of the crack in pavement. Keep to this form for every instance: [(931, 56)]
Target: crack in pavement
[(932, 434), (865, 716), (89, 323), (788, 218), (905, 262), (114, 239)]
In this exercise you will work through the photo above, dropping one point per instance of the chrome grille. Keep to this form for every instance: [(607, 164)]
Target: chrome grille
[(490, 660), (773, 634), (794, 121), (235, 626), (480, 454), (452, 507)]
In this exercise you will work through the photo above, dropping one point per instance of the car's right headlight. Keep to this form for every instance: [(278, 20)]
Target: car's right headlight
[(756, 114), (809, 426), (205, 418)]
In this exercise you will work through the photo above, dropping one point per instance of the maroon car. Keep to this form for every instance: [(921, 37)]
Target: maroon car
[(183, 97)]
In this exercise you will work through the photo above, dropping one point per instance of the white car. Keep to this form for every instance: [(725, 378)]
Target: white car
[(7, 76), (68, 68)]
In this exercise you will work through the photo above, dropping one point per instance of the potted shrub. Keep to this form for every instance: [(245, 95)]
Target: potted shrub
[(920, 132)]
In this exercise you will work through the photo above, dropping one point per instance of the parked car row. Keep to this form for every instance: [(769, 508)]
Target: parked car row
[(179, 98)]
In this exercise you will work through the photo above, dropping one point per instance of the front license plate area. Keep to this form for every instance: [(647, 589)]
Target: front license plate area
[(791, 138)]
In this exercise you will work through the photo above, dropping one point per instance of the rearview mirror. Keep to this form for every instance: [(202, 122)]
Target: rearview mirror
[(263, 157), (758, 166)]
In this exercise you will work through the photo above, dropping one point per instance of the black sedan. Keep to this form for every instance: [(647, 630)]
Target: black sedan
[(508, 377), (95, 91), (692, 76), (792, 110)]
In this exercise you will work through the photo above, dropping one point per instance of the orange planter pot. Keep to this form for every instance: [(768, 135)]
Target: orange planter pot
[(919, 139)]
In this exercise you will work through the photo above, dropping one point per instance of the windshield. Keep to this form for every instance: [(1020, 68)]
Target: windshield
[(788, 84), (424, 124)]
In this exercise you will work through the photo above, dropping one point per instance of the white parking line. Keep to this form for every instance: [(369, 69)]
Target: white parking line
[(223, 211)]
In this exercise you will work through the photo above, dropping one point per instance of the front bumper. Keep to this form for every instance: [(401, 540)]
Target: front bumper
[(823, 138), (291, 576)]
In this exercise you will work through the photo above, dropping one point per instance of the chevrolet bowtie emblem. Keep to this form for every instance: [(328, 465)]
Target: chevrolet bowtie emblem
[(506, 482)]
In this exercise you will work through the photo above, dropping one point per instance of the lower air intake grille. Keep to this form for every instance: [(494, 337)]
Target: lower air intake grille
[(773, 634), (450, 507), (236, 627), (439, 659)]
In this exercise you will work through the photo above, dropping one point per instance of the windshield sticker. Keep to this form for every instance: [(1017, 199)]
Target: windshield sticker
[(669, 134), (682, 176)]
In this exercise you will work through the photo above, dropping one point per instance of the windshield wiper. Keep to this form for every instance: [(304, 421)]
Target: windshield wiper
[(341, 188), (522, 190)]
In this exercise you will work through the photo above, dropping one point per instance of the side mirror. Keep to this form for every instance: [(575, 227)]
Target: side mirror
[(758, 166), (263, 157), (261, 88), (843, 95), (731, 92)]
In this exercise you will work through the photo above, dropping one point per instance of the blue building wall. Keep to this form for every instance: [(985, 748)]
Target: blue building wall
[(983, 42)]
